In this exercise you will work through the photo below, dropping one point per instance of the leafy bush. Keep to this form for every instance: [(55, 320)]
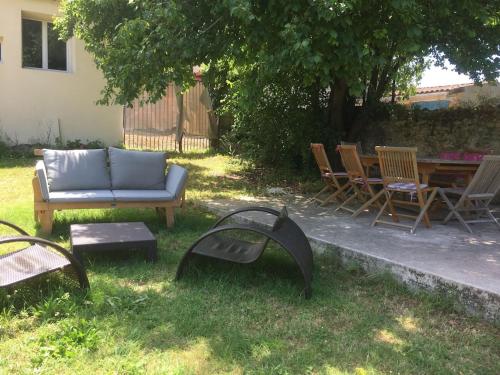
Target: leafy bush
[(275, 121), (77, 143), (4, 148)]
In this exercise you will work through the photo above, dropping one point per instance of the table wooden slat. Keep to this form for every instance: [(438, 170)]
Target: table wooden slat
[(428, 166)]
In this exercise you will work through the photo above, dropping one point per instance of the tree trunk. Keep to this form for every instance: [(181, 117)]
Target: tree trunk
[(393, 91), (336, 107)]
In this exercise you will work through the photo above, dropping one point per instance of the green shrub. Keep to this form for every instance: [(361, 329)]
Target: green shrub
[(275, 122), (78, 144)]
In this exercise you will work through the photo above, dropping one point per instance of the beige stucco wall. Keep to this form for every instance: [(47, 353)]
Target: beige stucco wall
[(475, 95), (33, 101)]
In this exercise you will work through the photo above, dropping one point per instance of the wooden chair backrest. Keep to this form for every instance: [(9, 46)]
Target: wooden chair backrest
[(359, 149), (319, 153), (487, 178), (398, 164), (351, 161)]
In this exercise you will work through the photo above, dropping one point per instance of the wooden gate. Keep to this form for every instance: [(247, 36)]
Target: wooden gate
[(175, 122)]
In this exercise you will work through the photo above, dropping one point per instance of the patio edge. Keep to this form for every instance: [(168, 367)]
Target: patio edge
[(473, 301)]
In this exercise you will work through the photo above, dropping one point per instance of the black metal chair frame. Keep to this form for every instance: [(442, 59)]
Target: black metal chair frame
[(43, 244), (285, 232)]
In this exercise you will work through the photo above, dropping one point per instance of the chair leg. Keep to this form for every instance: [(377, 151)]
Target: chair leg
[(423, 211), (453, 211), (46, 220), (490, 215), (368, 203), (394, 214), (319, 193), (382, 209), (335, 195), (348, 200)]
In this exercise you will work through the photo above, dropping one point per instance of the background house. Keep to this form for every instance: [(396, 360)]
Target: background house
[(48, 88), (449, 96)]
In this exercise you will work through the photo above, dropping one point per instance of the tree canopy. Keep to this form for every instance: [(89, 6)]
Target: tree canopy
[(334, 50)]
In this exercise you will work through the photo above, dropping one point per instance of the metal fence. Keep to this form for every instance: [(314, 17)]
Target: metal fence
[(173, 123)]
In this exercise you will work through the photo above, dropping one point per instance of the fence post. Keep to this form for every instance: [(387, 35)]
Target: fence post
[(180, 117), (213, 131)]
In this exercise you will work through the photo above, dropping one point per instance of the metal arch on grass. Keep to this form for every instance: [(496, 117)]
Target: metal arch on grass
[(284, 232)]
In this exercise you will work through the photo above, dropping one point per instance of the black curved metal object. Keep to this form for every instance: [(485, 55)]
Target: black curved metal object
[(36, 260), (15, 227), (285, 232), (267, 210)]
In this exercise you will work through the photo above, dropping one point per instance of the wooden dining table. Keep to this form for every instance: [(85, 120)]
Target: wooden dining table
[(429, 166)]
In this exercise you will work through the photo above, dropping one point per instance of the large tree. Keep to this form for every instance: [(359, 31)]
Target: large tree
[(350, 48)]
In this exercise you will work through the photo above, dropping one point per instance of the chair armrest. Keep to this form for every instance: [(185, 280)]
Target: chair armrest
[(15, 227), (175, 180), (78, 267), (42, 178)]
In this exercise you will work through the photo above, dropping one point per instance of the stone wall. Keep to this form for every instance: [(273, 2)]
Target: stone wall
[(457, 129)]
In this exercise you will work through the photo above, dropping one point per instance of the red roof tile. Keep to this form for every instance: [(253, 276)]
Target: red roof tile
[(428, 90)]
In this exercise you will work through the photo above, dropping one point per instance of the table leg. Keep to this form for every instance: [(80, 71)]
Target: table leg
[(78, 256), (425, 178), (152, 253)]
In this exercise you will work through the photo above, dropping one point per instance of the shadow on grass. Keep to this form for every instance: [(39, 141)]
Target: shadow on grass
[(246, 318), (252, 319)]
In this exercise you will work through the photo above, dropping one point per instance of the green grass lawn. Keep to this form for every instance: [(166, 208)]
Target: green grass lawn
[(222, 318)]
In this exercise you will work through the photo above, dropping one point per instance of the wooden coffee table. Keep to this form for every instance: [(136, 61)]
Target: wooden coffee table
[(112, 236)]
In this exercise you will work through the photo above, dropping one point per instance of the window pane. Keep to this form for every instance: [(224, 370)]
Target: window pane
[(56, 49), (32, 44)]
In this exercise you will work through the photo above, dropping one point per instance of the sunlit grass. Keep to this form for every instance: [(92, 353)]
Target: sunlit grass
[(221, 318)]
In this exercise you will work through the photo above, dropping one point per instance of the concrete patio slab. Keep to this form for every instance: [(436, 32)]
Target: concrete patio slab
[(444, 259)]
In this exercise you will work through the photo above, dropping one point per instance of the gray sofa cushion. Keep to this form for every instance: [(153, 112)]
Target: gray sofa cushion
[(175, 180), (42, 178), (142, 195), (76, 169), (137, 170), (87, 196)]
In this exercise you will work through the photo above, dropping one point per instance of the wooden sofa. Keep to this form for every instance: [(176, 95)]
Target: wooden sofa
[(165, 202)]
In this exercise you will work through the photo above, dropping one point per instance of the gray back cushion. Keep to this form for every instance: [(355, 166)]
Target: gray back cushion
[(76, 169), (137, 169)]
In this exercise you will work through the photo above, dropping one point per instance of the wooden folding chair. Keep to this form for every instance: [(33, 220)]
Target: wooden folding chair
[(330, 178), (477, 196), (398, 166), (362, 185), (359, 148)]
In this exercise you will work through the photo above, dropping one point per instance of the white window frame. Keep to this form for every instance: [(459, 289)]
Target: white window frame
[(45, 48)]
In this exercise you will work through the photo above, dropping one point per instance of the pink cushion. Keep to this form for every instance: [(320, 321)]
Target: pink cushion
[(474, 156), (450, 155)]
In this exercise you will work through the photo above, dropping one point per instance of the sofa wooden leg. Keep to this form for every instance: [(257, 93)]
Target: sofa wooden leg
[(46, 219), (183, 201), (170, 216), (36, 217)]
